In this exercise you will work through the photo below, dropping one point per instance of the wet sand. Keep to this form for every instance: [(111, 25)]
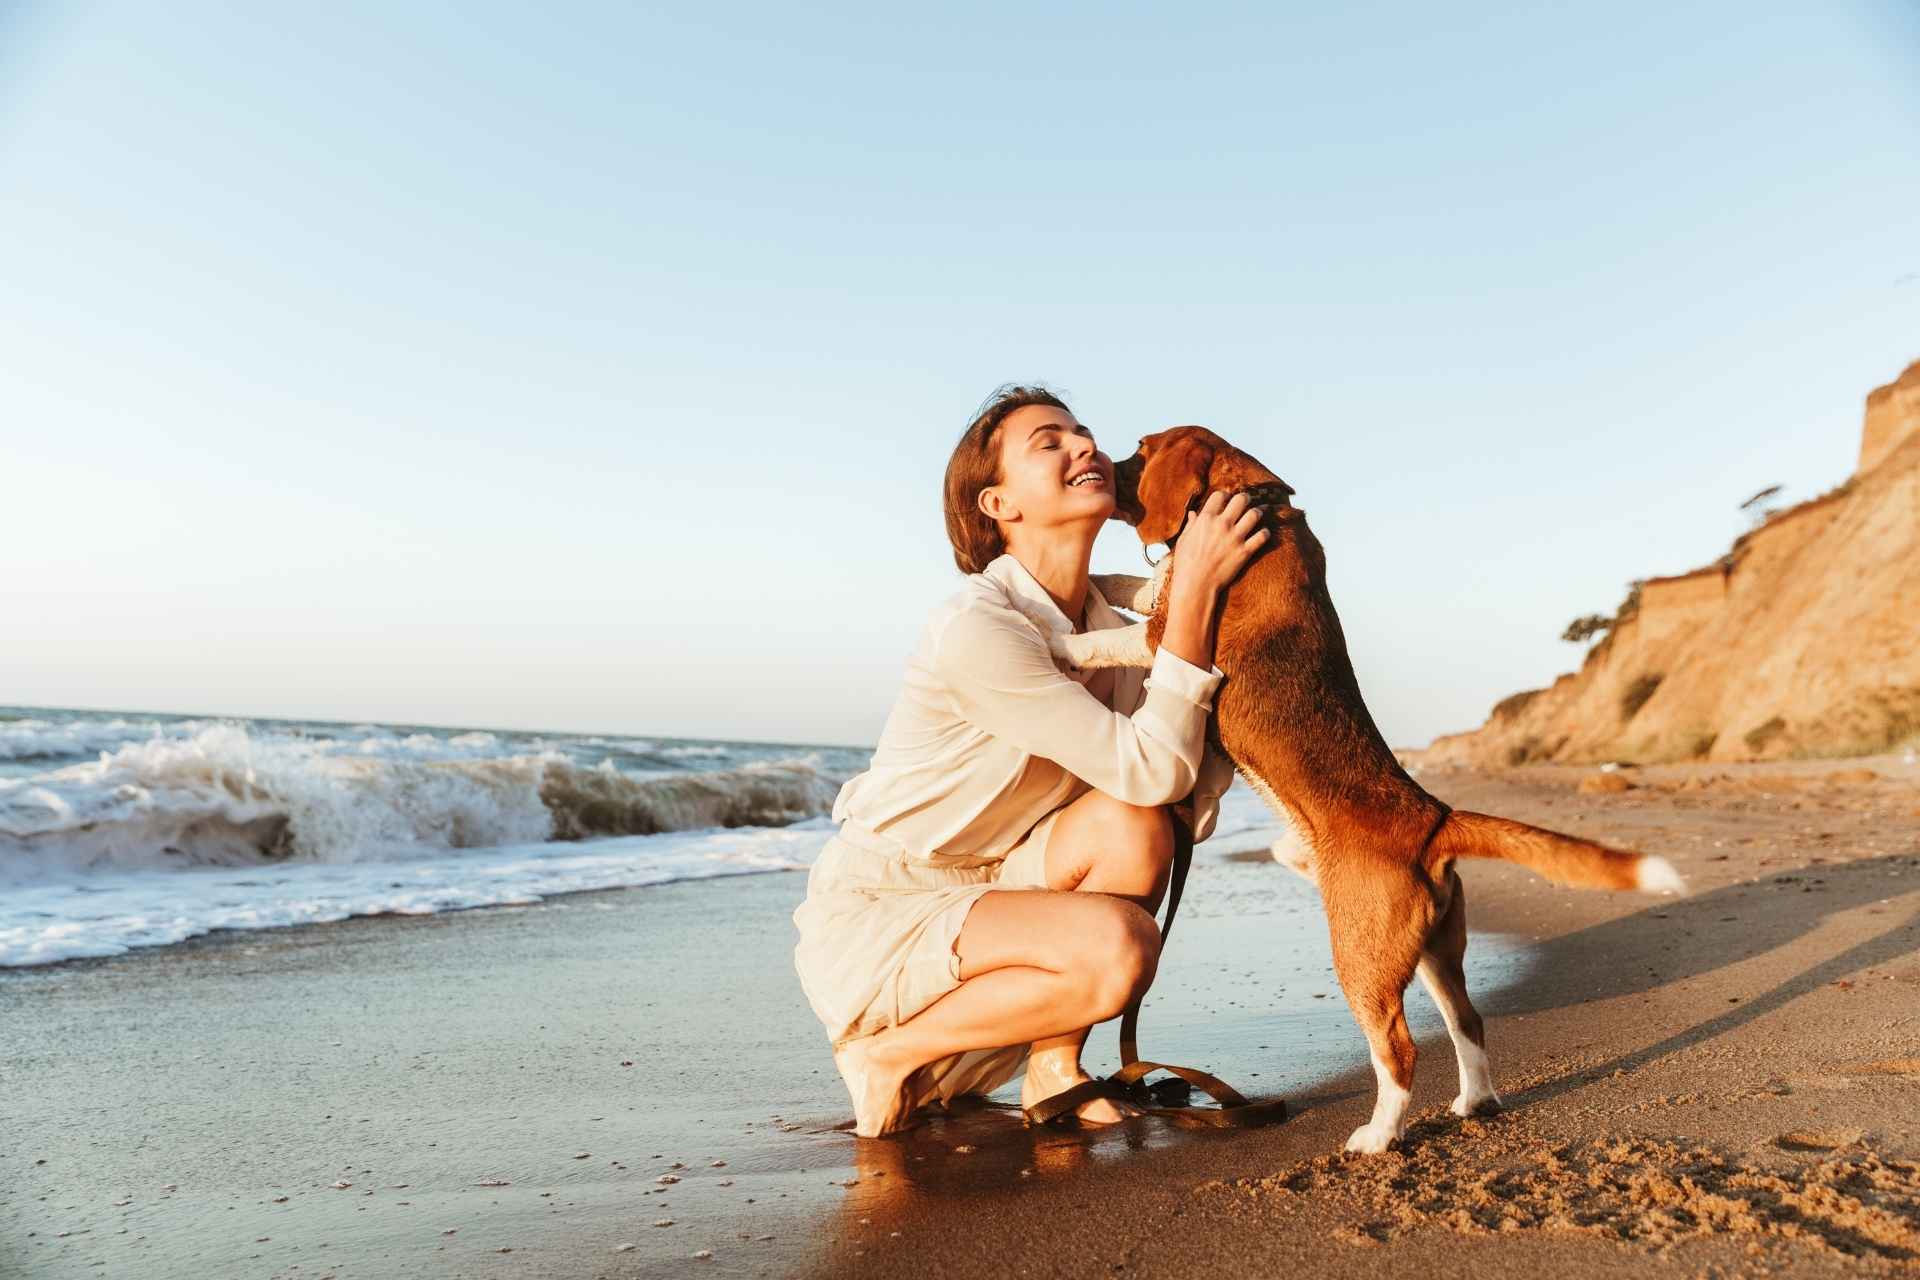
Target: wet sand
[(1726, 1084), (511, 1091)]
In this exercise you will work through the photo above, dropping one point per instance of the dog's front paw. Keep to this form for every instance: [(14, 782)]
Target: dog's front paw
[(1485, 1104), (1372, 1139), (1129, 591)]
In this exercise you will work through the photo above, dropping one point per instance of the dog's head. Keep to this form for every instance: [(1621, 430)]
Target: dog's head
[(1171, 474)]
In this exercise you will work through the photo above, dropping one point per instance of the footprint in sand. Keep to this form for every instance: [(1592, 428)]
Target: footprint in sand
[(1823, 1140)]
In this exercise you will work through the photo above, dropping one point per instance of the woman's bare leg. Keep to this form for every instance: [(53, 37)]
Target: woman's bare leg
[(1099, 845), (1033, 965)]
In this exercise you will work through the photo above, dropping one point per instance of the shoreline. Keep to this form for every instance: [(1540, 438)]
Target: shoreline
[(417, 1059)]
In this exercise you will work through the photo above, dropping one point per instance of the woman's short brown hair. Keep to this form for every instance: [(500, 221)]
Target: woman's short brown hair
[(975, 464)]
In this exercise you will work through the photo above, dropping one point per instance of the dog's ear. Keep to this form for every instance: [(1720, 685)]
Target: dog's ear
[(1169, 482)]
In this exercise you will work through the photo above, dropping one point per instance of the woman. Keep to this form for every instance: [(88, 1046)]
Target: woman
[(988, 897)]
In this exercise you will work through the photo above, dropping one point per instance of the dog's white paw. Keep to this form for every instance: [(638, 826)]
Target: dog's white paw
[(1485, 1104), (1372, 1139), (1656, 875), (1292, 852)]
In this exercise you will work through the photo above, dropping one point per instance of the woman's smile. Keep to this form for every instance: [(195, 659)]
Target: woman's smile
[(1090, 477)]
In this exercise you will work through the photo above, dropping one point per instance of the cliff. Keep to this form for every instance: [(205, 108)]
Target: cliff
[(1803, 640)]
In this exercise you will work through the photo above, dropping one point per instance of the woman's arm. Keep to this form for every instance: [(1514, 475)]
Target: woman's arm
[(1002, 678)]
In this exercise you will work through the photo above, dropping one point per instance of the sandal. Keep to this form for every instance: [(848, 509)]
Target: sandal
[(1060, 1111), (1172, 1098)]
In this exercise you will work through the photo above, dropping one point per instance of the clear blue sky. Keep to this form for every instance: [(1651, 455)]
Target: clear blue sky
[(590, 367)]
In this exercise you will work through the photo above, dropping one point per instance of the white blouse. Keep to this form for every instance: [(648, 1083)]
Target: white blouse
[(988, 735)]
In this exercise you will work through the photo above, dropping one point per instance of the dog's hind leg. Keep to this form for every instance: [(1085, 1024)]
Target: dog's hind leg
[(1375, 953), (1445, 977)]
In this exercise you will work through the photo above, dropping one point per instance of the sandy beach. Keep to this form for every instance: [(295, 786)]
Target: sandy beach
[(502, 499), (629, 1083)]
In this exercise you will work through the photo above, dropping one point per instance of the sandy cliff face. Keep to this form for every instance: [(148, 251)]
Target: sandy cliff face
[(1893, 415), (1804, 640)]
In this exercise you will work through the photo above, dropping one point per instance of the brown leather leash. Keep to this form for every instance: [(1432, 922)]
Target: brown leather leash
[(1166, 1098)]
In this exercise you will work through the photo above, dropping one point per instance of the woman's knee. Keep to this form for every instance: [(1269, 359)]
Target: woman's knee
[(1134, 842)]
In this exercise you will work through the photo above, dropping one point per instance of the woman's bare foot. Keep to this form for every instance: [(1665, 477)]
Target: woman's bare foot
[(876, 1078), (1055, 1070)]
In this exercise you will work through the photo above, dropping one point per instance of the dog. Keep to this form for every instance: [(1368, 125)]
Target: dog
[(1290, 716)]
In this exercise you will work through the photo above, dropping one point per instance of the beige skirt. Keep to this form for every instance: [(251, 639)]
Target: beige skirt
[(877, 937)]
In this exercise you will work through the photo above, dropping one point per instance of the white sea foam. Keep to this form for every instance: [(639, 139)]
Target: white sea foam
[(114, 911), (181, 827), (222, 797), (225, 797), (426, 746), (110, 914), (34, 739)]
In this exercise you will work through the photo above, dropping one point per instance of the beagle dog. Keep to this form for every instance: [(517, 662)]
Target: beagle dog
[(1289, 714)]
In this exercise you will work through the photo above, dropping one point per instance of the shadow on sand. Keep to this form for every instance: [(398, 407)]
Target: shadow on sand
[(1668, 941), (1689, 938)]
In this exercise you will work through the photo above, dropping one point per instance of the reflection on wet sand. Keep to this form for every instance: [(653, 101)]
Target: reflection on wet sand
[(1272, 1027), (905, 1180)]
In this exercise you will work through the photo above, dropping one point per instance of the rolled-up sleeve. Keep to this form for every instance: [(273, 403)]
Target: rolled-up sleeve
[(1002, 678)]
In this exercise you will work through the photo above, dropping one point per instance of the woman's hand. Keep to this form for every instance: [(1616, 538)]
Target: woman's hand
[(1216, 544), (1218, 541)]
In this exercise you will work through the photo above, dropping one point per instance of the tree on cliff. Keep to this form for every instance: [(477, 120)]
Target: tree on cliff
[(1759, 513), (1593, 624), (1586, 628)]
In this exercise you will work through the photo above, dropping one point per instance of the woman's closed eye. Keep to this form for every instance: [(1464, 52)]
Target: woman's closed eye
[(1052, 438)]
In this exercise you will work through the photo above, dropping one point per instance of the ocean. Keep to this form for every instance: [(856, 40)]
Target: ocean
[(127, 830), (124, 830)]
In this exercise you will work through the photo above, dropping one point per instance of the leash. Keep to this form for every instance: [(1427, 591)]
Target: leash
[(1172, 1098), (1168, 1098)]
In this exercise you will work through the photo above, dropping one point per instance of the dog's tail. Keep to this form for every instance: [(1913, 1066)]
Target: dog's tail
[(1562, 859)]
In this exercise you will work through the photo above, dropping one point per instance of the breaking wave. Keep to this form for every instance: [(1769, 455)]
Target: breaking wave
[(220, 796), (29, 740)]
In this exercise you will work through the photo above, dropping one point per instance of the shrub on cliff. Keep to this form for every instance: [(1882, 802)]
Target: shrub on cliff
[(1586, 628), (1630, 605), (1593, 624)]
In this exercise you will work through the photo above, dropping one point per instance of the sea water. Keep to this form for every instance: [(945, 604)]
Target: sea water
[(125, 830)]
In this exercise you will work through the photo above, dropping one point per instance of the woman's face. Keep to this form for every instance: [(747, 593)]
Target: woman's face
[(1050, 471)]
